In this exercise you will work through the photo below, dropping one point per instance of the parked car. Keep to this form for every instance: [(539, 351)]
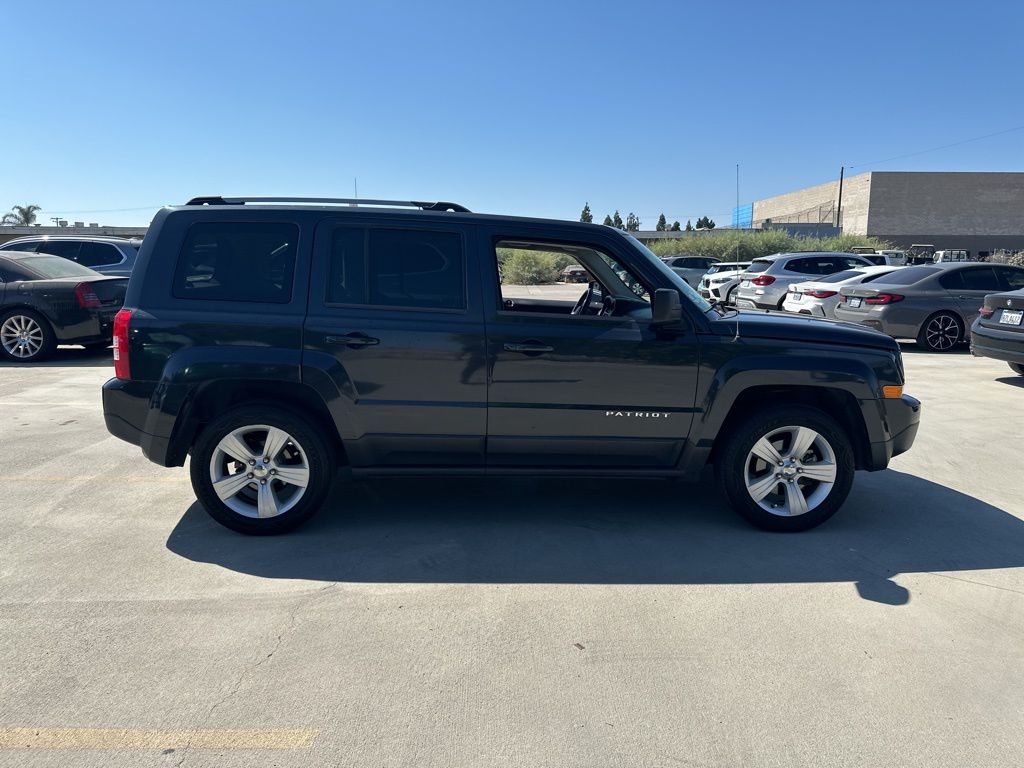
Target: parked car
[(819, 298), (46, 300), (690, 268), (957, 254), (274, 342), (765, 282), (720, 281), (921, 253), (575, 274), (998, 331), (932, 303), (887, 258), (106, 255)]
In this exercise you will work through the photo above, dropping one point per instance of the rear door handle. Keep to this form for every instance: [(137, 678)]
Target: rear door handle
[(528, 347), (353, 340)]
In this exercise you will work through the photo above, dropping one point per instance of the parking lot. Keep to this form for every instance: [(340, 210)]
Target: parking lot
[(555, 623)]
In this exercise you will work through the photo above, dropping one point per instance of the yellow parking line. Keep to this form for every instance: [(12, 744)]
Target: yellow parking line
[(139, 738)]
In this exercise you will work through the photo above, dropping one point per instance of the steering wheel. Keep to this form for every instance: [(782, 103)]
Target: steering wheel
[(584, 301)]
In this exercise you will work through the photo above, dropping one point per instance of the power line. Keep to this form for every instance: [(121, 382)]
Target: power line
[(943, 146)]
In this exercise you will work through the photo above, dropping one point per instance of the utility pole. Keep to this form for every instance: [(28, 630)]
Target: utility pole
[(839, 205), (737, 195)]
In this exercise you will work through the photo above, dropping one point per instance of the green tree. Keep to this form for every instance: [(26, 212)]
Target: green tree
[(587, 217), (705, 223), (689, 226), (21, 216), (662, 224), (608, 221), (617, 221), (632, 222), (675, 226)]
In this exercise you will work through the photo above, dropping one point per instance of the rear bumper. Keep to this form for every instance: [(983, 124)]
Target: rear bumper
[(901, 418), (1007, 346), (126, 410)]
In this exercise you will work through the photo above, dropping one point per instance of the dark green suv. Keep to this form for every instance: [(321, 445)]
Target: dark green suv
[(276, 341)]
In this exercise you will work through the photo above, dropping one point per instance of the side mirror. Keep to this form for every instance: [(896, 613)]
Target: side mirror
[(666, 309)]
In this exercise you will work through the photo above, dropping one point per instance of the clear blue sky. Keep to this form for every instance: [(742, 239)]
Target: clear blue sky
[(522, 107)]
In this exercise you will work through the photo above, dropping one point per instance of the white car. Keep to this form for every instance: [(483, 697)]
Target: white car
[(721, 279), (819, 298), (891, 258)]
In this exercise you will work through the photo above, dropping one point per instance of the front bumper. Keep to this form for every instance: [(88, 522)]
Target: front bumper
[(901, 419)]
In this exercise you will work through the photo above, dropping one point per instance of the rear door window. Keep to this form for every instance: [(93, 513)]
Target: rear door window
[(980, 279), (66, 249), (237, 261), (98, 255), (403, 268)]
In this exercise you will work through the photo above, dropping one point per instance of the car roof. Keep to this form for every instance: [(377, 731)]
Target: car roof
[(19, 255)]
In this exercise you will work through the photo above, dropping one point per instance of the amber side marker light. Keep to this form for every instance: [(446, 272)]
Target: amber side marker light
[(892, 391)]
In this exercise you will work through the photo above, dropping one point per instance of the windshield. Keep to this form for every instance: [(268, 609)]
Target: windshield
[(726, 268), (759, 266), (674, 280), (54, 266)]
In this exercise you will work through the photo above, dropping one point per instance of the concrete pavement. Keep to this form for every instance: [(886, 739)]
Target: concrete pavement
[(549, 623)]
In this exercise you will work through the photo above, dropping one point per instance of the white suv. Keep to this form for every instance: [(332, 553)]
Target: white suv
[(765, 283), (719, 284)]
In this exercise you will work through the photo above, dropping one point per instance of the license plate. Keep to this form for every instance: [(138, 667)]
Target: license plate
[(796, 297), (745, 284), (1011, 316), (855, 302)]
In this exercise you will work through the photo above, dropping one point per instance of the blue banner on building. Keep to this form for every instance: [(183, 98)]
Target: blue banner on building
[(743, 216)]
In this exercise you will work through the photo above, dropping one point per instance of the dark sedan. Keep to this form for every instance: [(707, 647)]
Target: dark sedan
[(46, 300), (933, 303), (999, 330)]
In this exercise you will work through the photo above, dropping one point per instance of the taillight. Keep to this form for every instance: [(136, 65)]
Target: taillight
[(986, 312), (87, 298), (884, 298), (820, 294), (763, 280), (122, 370)]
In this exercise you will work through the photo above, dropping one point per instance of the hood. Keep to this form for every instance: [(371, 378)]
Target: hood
[(797, 328)]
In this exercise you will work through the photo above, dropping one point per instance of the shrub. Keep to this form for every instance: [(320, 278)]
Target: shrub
[(743, 245), (1017, 260)]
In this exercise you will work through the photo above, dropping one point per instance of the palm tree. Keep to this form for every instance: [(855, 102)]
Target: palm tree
[(21, 216)]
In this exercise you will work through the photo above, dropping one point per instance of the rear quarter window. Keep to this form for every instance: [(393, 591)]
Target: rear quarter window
[(237, 261)]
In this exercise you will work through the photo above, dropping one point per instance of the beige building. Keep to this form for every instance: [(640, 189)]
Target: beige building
[(981, 212)]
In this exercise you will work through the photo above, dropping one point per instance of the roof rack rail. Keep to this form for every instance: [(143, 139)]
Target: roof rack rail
[(438, 206)]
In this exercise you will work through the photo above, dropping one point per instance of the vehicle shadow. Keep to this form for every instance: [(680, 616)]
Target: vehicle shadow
[(613, 532), (1014, 381), (69, 357)]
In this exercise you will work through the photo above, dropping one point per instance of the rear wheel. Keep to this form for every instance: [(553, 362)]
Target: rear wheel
[(941, 332), (261, 470), (789, 470), (26, 336), (1017, 368)]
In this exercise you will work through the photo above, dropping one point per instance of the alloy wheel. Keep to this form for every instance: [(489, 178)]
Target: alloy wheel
[(259, 471), (790, 471), (942, 332), (21, 336)]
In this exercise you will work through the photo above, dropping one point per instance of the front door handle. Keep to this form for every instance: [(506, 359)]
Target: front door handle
[(528, 347), (353, 340)]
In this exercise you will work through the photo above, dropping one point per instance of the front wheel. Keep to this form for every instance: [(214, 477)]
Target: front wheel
[(261, 470), (790, 470)]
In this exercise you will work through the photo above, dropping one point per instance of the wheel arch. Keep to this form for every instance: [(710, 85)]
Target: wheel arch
[(964, 328), (213, 399)]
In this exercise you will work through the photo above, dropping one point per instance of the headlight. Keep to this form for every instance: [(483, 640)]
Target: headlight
[(717, 280)]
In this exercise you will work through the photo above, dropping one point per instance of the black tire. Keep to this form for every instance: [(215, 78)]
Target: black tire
[(1017, 368), (734, 457), (729, 297), (49, 340), (319, 461), (936, 334)]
